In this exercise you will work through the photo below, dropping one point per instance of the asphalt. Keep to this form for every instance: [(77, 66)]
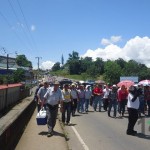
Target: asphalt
[(35, 137)]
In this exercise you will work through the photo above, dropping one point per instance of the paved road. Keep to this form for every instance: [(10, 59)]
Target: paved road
[(97, 131)]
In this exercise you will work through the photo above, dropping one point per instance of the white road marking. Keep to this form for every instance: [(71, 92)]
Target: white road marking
[(80, 139)]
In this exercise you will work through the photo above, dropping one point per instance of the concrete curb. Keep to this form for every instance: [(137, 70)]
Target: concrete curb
[(13, 123), (64, 131)]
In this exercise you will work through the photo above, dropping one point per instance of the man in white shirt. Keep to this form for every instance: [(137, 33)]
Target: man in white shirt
[(53, 97)]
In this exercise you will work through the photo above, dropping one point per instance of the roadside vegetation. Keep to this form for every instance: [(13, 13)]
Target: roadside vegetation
[(87, 69)]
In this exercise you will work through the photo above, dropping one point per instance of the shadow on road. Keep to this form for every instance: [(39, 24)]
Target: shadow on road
[(44, 133), (143, 136)]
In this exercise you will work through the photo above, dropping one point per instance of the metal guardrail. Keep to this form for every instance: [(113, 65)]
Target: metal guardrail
[(10, 95)]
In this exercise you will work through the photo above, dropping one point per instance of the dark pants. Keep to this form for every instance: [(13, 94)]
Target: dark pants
[(51, 112), (74, 107), (132, 119), (148, 104), (106, 103), (66, 108), (121, 107)]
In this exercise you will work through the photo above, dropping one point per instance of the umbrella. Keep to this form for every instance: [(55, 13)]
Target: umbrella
[(127, 83), (144, 82)]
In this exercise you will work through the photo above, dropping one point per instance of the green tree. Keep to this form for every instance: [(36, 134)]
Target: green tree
[(85, 64), (73, 63), (19, 75), (74, 67), (73, 56), (131, 68), (121, 62), (56, 66), (92, 71), (21, 60), (99, 63), (112, 72)]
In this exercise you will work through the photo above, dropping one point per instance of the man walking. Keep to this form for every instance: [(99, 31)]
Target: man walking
[(53, 97)]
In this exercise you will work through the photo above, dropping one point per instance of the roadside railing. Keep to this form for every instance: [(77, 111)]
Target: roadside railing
[(12, 94)]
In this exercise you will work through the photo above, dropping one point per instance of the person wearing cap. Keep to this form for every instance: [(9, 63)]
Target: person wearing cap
[(40, 94), (66, 104), (53, 98), (81, 101), (74, 97), (88, 95), (113, 101)]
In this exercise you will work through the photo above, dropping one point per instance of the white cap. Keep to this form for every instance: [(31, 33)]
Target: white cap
[(114, 85)]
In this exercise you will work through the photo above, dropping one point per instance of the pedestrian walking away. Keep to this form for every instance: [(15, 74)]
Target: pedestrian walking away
[(40, 94), (36, 96)]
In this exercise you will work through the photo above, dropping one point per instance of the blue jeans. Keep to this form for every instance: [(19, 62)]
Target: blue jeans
[(80, 106), (87, 104), (97, 100), (114, 105)]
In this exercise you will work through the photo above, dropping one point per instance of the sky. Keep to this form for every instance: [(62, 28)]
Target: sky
[(48, 29)]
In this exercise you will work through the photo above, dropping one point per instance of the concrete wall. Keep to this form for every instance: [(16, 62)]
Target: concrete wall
[(12, 125)]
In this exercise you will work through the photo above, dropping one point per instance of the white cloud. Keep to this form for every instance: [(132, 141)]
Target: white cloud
[(112, 40), (47, 65), (137, 48), (33, 27), (115, 39)]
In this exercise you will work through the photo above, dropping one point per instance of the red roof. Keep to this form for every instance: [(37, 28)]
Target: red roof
[(10, 86)]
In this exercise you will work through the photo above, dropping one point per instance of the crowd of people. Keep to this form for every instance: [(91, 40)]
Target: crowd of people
[(76, 98)]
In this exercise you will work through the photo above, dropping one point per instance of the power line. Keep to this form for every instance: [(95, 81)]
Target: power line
[(26, 22), (10, 26), (13, 10)]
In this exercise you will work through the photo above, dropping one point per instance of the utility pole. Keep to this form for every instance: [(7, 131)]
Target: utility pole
[(7, 67), (38, 64)]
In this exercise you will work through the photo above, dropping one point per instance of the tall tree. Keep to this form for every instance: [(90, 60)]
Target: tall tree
[(62, 60), (21, 60), (85, 64), (73, 56), (112, 72), (99, 63)]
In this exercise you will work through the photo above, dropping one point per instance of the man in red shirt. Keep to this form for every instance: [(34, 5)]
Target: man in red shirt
[(98, 95), (122, 100)]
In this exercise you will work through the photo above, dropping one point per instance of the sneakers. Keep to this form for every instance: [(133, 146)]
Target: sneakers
[(68, 123), (49, 134)]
